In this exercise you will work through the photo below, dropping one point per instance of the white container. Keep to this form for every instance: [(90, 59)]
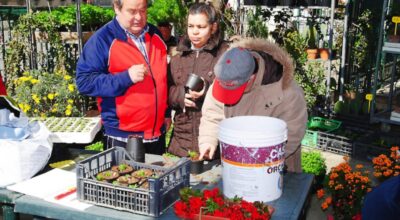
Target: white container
[(252, 155)]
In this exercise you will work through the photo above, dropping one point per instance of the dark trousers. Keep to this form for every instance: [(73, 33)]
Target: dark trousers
[(157, 147)]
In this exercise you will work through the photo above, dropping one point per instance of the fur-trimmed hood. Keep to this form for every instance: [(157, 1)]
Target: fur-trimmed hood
[(276, 52)]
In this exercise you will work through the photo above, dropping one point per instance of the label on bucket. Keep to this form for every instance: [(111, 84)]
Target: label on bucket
[(253, 173)]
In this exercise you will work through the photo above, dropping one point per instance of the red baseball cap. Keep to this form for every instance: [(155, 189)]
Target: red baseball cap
[(233, 71)]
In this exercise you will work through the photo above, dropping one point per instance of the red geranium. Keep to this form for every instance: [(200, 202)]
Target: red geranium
[(211, 202)]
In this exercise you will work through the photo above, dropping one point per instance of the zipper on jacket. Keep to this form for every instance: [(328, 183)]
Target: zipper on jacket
[(155, 87)]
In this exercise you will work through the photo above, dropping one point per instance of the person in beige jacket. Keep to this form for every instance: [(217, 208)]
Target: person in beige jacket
[(255, 77)]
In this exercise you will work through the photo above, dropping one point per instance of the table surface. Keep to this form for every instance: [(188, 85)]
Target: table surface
[(8, 197), (288, 206)]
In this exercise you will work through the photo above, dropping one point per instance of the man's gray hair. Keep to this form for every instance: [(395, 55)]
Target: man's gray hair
[(118, 3)]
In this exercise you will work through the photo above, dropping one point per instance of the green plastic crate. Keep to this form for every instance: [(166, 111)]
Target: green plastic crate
[(310, 139), (327, 125)]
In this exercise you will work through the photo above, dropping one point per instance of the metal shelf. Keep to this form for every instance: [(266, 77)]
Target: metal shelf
[(384, 48)]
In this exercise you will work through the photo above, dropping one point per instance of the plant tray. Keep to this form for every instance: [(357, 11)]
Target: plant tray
[(323, 124), (73, 129), (310, 139), (162, 193), (328, 142), (335, 144)]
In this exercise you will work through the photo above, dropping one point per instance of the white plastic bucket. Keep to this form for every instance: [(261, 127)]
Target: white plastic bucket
[(252, 155)]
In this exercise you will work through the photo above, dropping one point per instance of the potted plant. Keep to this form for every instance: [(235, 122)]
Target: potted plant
[(196, 165), (312, 162), (385, 166), (345, 191), (312, 50), (170, 159), (107, 175), (392, 28), (211, 204)]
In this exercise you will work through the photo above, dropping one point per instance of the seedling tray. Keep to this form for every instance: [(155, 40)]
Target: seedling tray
[(73, 129), (162, 192)]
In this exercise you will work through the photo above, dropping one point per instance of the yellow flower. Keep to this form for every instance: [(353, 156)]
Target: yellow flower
[(23, 79), (36, 98), (26, 108), (54, 109), (68, 112), (71, 87), (67, 77), (50, 96), (70, 101), (69, 106), (34, 81)]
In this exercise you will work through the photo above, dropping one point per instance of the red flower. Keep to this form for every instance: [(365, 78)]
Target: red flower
[(211, 202), (180, 209)]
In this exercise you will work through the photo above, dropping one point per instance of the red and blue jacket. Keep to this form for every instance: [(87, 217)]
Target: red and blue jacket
[(102, 71)]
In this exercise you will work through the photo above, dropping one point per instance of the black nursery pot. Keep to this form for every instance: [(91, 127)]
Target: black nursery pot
[(194, 83), (136, 149), (253, 2), (271, 3), (196, 167)]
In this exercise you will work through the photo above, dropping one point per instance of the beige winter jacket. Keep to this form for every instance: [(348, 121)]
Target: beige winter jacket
[(274, 93)]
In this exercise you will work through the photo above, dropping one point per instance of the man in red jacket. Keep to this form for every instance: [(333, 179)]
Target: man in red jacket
[(124, 65)]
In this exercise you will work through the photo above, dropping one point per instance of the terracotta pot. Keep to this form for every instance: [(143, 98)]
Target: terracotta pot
[(312, 54), (394, 38), (324, 53), (208, 217)]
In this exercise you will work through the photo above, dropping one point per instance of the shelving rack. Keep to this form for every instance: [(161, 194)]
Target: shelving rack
[(330, 39), (385, 48)]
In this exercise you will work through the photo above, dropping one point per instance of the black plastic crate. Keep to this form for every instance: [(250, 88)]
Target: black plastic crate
[(162, 193), (372, 145), (335, 143)]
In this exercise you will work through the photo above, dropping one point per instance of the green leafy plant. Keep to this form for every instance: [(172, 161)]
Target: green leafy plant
[(98, 146), (170, 155), (47, 88), (312, 162), (92, 17), (168, 10), (309, 75), (311, 37), (193, 155), (122, 167), (256, 23)]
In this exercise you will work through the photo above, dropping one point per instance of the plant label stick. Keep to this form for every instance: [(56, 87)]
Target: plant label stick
[(396, 20)]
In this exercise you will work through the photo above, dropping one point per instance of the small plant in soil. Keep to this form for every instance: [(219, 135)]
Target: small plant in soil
[(107, 175), (193, 155), (122, 169), (170, 159)]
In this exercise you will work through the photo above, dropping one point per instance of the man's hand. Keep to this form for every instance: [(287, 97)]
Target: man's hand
[(137, 73), (207, 151)]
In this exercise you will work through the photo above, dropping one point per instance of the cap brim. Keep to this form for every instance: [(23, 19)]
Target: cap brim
[(228, 96)]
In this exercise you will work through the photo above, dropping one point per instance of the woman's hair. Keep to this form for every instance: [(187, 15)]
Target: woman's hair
[(208, 10)]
